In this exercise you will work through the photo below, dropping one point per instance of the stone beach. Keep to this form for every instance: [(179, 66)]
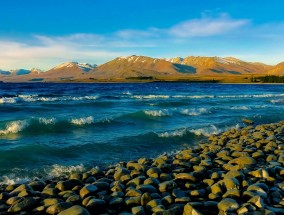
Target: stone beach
[(240, 171)]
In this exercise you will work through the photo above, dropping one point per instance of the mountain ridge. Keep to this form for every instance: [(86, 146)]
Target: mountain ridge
[(144, 67)]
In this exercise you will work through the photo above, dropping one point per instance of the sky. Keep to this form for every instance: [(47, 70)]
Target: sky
[(42, 34)]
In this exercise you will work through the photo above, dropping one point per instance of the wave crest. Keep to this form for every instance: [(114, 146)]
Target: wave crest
[(157, 113), (14, 127), (83, 121), (195, 111)]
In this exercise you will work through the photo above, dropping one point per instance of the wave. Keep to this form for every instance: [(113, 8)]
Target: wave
[(57, 170), (193, 96), (240, 108), (48, 172), (14, 127), (177, 133), (195, 111), (277, 101), (45, 124), (150, 96), (211, 129), (36, 98), (83, 121), (157, 113)]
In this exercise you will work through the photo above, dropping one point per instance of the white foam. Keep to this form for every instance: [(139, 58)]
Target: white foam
[(195, 111), (127, 93), (59, 170), (194, 96), (177, 133), (47, 121), (14, 127), (151, 96), (83, 120), (212, 129), (157, 113), (277, 101), (13, 180), (6, 100), (240, 108)]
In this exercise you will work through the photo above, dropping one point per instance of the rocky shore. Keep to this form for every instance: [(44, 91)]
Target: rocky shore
[(240, 171)]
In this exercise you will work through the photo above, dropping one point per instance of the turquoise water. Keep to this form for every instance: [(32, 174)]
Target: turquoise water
[(51, 129)]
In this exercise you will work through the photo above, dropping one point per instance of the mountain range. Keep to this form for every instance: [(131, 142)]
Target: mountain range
[(146, 68)]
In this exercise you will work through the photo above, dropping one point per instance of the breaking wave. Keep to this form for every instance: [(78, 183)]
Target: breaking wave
[(36, 98), (195, 111), (14, 127), (83, 121), (158, 113)]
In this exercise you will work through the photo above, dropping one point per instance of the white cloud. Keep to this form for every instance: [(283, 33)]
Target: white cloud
[(190, 36), (50, 51), (207, 26)]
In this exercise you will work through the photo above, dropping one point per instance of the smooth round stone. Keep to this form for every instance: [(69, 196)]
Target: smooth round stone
[(154, 170), (153, 203), (50, 201), (136, 166), (257, 201), (133, 192), (88, 190), (189, 210), (243, 161), (120, 171), (22, 205), (152, 181), (75, 199), (96, 205), (75, 210), (12, 200), (228, 205), (231, 183), (232, 193), (116, 202), (185, 176), (167, 200), (59, 207), (145, 198), (133, 201), (37, 185), (138, 210), (147, 188), (167, 186)]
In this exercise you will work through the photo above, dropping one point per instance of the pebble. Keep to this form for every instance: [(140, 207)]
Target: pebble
[(237, 172)]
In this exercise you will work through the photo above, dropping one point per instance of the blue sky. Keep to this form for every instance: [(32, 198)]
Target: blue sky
[(45, 33)]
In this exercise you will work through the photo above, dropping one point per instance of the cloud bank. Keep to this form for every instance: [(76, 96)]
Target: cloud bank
[(190, 36)]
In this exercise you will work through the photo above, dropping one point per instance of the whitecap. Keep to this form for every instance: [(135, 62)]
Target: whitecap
[(60, 170), (151, 96), (212, 129), (240, 108), (83, 120), (277, 101), (6, 100), (157, 113), (11, 180), (14, 127), (194, 111), (47, 121), (177, 133)]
